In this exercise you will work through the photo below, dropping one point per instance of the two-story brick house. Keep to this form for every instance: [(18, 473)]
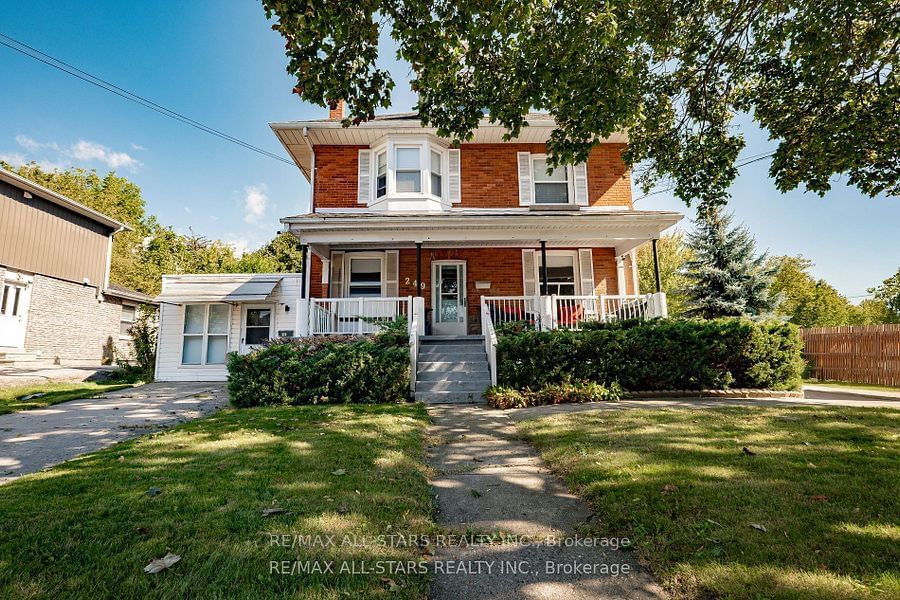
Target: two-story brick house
[(396, 211), (457, 239)]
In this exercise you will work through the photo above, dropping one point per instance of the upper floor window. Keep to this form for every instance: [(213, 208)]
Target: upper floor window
[(550, 186), (409, 170), (381, 175), (409, 173), (436, 172)]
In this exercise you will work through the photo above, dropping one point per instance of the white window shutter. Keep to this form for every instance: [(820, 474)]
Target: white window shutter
[(392, 273), (326, 270), (454, 184), (364, 177), (525, 186), (586, 271), (529, 270), (580, 184), (336, 286)]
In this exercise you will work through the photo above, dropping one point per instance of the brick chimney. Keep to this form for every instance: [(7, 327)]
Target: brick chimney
[(336, 111)]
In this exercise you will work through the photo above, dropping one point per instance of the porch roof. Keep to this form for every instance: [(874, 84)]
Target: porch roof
[(623, 230), (217, 288)]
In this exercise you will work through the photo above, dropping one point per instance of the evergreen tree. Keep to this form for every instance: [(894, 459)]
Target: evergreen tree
[(726, 277)]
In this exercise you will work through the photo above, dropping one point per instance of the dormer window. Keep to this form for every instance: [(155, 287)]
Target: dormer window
[(409, 170), (409, 173)]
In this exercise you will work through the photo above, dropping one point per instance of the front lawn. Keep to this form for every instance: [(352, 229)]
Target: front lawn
[(12, 399), (811, 508), (87, 528)]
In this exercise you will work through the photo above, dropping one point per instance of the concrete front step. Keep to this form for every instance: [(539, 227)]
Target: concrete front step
[(17, 358), (451, 339), (480, 373), (450, 397), (452, 348), (452, 357), (454, 385)]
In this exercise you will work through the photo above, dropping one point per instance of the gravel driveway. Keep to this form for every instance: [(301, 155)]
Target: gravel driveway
[(36, 439)]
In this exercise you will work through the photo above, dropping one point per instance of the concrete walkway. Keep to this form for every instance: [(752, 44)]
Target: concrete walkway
[(32, 440), (36, 375), (487, 481)]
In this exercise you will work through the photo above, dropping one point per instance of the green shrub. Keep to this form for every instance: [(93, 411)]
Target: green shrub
[(335, 369), (659, 354), (562, 393)]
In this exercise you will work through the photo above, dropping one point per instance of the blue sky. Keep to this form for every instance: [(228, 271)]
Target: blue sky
[(221, 64)]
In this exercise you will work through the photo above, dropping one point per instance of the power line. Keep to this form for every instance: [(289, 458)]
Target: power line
[(747, 161), (34, 53)]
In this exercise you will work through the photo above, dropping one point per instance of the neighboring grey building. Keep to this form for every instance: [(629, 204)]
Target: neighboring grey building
[(57, 305)]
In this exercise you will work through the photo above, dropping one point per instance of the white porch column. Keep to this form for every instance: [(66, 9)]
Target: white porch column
[(418, 308), (303, 317), (620, 275), (546, 309), (658, 306)]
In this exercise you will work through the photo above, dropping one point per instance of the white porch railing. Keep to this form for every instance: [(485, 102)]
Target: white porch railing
[(354, 316), (490, 339), (569, 312)]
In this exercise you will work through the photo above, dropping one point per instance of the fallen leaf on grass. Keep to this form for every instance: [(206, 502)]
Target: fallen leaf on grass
[(759, 527), (390, 584), (338, 472), (669, 488), (713, 522), (748, 451), (343, 510), (819, 498), (154, 491), (161, 564), (273, 511), (121, 459)]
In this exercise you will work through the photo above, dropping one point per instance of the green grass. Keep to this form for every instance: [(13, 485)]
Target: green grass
[(824, 483), (11, 399), (844, 384), (87, 528)]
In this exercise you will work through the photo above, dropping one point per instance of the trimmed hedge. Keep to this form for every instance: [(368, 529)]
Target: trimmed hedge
[(335, 370), (563, 393), (659, 354)]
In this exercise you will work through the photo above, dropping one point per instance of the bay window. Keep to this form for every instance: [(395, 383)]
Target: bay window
[(205, 334), (381, 175), (408, 170)]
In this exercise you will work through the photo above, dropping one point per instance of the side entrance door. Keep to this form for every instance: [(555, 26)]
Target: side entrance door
[(257, 322), (14, 298), (449, 297)]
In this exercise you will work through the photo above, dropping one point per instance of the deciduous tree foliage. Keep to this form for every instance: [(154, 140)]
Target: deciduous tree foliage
[(673, 254), (818, 75), (889, 293)]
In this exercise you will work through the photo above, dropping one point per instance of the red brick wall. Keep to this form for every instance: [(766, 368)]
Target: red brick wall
[(489, 174), (336, 174)]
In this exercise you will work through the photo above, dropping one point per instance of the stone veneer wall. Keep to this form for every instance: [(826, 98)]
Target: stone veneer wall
[(68, 325)]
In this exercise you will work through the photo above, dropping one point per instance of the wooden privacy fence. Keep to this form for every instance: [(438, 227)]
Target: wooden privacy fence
[(859, 354)]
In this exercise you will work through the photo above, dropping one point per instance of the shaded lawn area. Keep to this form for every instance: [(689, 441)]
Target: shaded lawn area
[(11, 399), (87, 528), (814, 513)]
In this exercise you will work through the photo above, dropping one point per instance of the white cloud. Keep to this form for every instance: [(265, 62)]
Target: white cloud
[(137, 147), (84, 150), (50, 155), (16, 159), (255, 202), (188, 210)]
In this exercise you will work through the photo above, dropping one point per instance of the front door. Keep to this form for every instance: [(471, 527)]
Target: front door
[(256, 328), (449, 296), (14, 297)]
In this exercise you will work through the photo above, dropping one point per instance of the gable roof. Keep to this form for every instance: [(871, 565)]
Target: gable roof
[(120, 291), (51, 196)]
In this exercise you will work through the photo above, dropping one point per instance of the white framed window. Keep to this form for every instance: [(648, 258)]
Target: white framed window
[(11, 302), (408, 169), (205, 334), (364, 276), (126, 320), (436, 174), (381, 174), (550, 186), (561, 273)]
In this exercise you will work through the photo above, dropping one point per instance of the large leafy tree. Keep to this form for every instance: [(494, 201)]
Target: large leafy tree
[(726, 277), (819, 75), (888, 292)]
